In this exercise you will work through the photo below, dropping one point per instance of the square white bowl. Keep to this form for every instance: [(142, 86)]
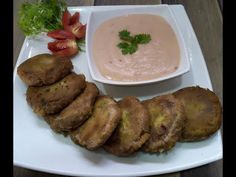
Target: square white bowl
[(98, 17)]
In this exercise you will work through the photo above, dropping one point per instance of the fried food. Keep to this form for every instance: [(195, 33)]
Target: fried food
[(166, 122), (99, 127), (53, 98), (203, 113), (44, 69), (76, 112), (133, 129)]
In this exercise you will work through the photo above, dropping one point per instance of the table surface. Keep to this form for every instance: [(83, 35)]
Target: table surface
[(206, 18)]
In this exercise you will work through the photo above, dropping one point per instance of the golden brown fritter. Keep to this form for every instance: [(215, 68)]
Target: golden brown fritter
[(133, 129), (76, 112), (99, 127), (53, 98), (166, 122), (203, 112), (44, 69)]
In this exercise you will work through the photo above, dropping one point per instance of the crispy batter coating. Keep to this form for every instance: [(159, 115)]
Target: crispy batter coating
[(99, 127), (44, 69), (53, 98), (76, 112), (203, 113), (167, 119), (133, 129)]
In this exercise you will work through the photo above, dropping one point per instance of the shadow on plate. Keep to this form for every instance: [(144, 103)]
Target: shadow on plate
[(199, 144), (60, 137), (39, 121), (100, 157), (143, 90), (137, 158), (95, 157)]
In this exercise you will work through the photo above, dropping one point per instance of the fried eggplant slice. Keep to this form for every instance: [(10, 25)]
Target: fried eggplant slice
[(133, 129), (76, 112), (53, 98), (44, 69), (98, 128), (203, 113), (166, 123)]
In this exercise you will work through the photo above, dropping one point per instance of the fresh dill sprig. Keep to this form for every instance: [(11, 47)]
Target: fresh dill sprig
[(41, 16)]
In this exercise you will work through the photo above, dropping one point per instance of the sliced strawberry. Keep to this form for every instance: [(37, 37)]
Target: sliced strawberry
[(60, 34), (65, 53), (66, 19), (63, 48), (75, 18), (65, 45), (72, 24), (78, 30)]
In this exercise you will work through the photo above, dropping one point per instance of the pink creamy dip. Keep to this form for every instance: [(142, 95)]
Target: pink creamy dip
[(160, 57)]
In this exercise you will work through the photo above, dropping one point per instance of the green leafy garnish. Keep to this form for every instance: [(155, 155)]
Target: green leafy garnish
[(41, 16), (81, 44), (127, 48), (125, 35), (123, 45), (130, 43), (142, 38)]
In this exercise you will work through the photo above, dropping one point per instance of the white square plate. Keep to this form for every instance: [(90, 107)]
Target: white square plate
[(96, 18), (37, 147)]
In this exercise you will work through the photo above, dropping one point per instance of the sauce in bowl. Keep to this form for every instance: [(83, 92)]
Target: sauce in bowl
[(159, 57)]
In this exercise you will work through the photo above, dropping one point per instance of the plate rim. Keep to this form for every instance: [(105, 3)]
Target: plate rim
[(146, 173)]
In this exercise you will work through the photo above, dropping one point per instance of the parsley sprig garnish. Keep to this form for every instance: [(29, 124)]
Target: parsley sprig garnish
[(129, 43)]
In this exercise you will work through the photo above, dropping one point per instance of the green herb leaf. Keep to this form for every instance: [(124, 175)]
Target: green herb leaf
[(123, 45), (125, 35), (127, 48), (130, 45), (132, 48), (81, 44), (142, 38), (41, 16), (125, 51)]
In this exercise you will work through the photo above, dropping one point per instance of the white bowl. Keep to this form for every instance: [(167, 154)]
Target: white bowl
[(98, 17)]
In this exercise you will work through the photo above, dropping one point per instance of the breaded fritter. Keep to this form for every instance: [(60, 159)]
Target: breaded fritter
[(98, 128), (44, 69), (53, 98), (166, 122), (203, 112), (133, 129), (76, 112)]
